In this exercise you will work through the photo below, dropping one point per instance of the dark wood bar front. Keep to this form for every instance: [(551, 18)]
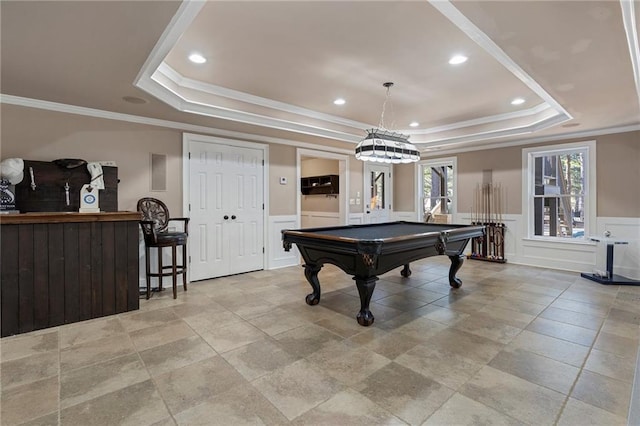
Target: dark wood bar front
[(60, 268)]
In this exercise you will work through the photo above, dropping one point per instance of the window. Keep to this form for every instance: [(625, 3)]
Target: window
[(559, 201), (437, 181), (377, 190)]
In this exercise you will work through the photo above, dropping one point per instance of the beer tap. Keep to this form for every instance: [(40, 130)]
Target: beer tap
[(33, 181), (66, 192)]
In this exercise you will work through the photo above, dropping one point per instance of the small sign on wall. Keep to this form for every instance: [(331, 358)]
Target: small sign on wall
[(158, 172)]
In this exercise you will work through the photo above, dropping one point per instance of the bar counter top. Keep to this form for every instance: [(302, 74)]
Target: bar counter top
[(67, 217)]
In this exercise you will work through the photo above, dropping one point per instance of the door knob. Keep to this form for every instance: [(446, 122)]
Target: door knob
[(226, 217), (233, 217)]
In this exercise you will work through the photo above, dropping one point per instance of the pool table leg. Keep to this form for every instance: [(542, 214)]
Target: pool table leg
[(456, 263), (311, 274), (406, 272), (365, 289)]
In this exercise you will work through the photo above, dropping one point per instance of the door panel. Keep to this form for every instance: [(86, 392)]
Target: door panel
[(226, 181), (377, 193), (248, 242)]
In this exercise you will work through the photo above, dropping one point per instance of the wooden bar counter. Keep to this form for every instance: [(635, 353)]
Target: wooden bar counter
[(60, 268)]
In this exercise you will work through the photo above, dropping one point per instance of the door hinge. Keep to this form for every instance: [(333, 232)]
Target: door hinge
[(189, 206), (263, 162), (189, 259), (262, 206), (189, 155), (263, 249)]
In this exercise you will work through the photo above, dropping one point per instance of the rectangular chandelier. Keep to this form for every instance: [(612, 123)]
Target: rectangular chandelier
[(384, 146)]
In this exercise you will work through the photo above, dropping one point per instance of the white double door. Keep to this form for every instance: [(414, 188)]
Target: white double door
[(226, 228)]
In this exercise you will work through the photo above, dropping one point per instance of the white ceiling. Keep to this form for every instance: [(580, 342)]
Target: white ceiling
[(275, 67)]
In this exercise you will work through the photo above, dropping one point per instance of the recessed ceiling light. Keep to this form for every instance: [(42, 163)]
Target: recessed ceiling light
[(339, 101), (517, 101), (458, 59), (197, 58), (414, 124)]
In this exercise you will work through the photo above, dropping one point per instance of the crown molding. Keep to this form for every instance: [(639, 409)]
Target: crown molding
[(193, 128), (160, 80), (482, 120), (529, 141), (511, 131), (156, 122), (212, 89)]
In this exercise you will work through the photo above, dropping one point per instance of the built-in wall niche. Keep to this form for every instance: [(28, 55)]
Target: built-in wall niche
[(321, 185)]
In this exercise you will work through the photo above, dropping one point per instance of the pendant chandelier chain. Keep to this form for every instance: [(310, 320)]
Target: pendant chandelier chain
[(387, 98)]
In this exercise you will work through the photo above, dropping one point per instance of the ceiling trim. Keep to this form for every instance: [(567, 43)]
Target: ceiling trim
[(236, 95), (511, 131), (160, 80), (156, 122), (629, 20), (174, 98), (483, 120), (529, 141), (171, 81), (474, 33), (110, 115), (179, 23)]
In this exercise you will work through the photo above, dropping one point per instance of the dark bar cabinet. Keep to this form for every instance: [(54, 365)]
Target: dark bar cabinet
[(60, 268)]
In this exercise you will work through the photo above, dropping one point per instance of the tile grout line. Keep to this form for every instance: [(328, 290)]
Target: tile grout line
[(633, 416), (250, 383), (584, 363), (155, 385)]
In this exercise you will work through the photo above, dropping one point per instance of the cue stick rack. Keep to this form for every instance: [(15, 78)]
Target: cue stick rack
[(487, 210)]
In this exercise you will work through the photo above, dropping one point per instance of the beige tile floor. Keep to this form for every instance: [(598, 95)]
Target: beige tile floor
[(514, 346)]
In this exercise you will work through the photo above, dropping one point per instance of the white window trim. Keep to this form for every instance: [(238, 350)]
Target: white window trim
[(445, 161), (590, 196)]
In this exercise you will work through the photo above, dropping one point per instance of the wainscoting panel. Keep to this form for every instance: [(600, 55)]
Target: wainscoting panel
[(569, 256), (407, 216), (309, 219), (356, 218), (277, 257), (626, 258)]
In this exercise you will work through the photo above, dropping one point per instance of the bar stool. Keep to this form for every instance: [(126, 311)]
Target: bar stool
[(154, 224)]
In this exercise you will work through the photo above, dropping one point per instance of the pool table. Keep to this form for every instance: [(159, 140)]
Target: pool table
[(366, 251)]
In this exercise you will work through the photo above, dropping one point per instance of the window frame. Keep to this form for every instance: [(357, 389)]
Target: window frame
[(590, 184)]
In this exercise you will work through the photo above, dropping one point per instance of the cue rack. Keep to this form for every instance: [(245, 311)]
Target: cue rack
[(488, 207)]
